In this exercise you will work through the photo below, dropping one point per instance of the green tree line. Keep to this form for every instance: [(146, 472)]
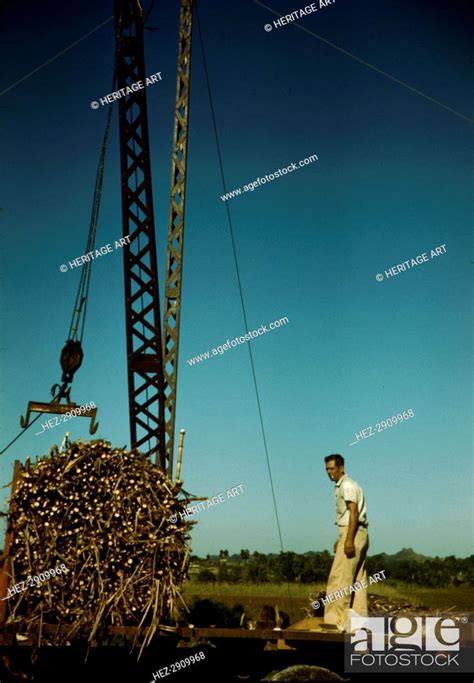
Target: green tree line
[(314, 568)]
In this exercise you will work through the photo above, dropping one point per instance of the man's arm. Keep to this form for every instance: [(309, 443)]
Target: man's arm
[(349, 549)]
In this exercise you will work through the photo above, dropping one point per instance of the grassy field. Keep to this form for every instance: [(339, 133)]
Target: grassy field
[(294, 598)]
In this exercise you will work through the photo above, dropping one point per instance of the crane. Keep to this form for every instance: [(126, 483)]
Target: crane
[(152, 354)]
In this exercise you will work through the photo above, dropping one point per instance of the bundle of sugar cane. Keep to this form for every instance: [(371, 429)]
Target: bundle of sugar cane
[(111, 518)]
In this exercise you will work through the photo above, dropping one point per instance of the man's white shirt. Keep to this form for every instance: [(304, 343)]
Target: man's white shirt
[(347, 489)]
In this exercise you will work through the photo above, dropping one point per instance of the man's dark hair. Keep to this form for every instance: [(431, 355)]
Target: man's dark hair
[(339, 460)]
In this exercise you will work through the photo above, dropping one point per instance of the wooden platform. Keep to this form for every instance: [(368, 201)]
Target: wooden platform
[(182, 634), (261, 634), (206, 633)]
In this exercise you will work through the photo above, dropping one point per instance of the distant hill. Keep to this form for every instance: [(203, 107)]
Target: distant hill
[(404, 555), (409, 554)]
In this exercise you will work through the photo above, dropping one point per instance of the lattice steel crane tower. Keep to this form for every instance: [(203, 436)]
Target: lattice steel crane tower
[(152, 355)]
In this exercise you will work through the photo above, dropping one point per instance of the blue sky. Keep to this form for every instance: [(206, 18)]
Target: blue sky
[(392, 181)]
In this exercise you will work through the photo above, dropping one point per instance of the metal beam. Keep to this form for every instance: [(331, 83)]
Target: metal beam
[(142, 309), (176, 226)]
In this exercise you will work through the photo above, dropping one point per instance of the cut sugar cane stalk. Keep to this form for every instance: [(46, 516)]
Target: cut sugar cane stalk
[(104, 513), (180, 454)]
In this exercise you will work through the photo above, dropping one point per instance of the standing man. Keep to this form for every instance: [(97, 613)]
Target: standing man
[(350, 548)]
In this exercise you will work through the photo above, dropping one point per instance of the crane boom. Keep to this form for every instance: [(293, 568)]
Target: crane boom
[(142, 308), (174, 263)]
